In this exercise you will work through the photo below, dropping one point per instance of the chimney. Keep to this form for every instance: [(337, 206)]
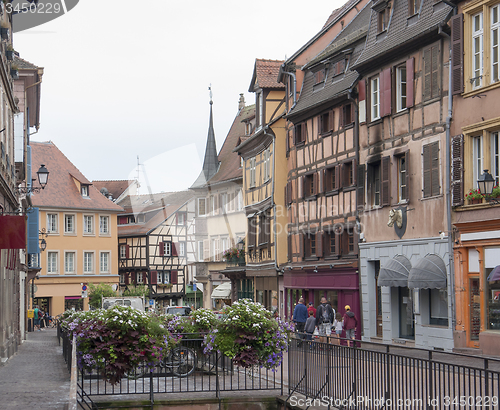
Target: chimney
[(241, 103)]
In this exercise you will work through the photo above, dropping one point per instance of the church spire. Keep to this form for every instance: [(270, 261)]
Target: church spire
[(211, 161)]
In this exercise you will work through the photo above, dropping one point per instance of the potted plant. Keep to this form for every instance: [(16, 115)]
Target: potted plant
[(9, 53), (495, 193), (14, 71), (474, 196)]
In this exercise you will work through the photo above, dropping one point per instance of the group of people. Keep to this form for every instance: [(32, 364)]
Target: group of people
[(325, 320), (41, 319)]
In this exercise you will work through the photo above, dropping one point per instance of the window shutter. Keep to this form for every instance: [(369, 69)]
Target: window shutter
[(173, 277), (127, 251), (133, 278), (410, 74), (435, 168), (301, 246), (154, 277), (427, 73), (427, 170), (353, 171), (175, 247), (217, 250), (315, 179), (457, 171), (122, 220), (362, 90), (296, 135), (338, 240), (319, 244), (145, 278), (435, 72), (330, 120), (385, 92), (457, 53), (341, 117), (33, 242), (321, 181), (301, 187), (216, 206), (385, 188), (303, 130), (162, 248), (407, 164), (287, 142), (127, 279), (338, 169), (360, 190), (206, 250), (362, 101)]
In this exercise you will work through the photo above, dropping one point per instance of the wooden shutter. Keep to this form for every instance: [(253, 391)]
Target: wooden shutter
[(431, 71), (154, 277), (133, 278), (362, 101), (435, 71), (319, 244), (206, 250), (145, 278), (341, 117), (33, 231), (338, 174), (301, 180), (410, 75), (360, 190), (173, 277), (407, 164), (162, 248), (330, 120), (175, 249), (427, 170), (427, 74), (321, 181), (127, 279), (385, 92), (385, 181), (217, 250), (353, 171), (435, 186), (338, 239), (301, 246), (457, 54), (457, 170), (315, 181), (127, 251), (122, 220)]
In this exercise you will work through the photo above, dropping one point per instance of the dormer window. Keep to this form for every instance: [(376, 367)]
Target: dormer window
[(383, 8), (85, 190), (248, 128), (413, 7), (260, 109), (338, 67), (319, 76)]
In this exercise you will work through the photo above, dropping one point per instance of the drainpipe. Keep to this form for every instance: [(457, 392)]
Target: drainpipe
[(294, 88), (448, 177)]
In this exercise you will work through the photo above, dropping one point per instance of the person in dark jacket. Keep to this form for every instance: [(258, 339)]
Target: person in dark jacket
[(350, 324), (324, 319), (300, 317), (310, 325)]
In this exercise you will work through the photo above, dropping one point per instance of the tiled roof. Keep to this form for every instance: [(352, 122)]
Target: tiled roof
[(340, 11), (352, 37), (156, 207), (402, 30), (266, 75), (114, 188), (23, 64), (61, 190)]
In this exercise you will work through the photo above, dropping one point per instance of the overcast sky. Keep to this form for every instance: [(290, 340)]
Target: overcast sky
[(130, 78)]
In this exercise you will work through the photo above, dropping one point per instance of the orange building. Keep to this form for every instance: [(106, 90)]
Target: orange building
[(82, 241)]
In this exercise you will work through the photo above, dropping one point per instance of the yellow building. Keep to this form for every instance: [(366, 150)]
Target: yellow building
[(264, 181), (82, 239)]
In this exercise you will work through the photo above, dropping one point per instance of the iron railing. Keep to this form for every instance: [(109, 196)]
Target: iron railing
[(380, 376)]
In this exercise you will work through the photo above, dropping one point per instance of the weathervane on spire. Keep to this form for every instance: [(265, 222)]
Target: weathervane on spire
[(210, 93)]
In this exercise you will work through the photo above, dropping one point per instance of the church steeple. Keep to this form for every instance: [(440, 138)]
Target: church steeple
[(211, 161)]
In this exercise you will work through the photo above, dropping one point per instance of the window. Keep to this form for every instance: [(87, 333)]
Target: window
[(201, 256), (477, 50), (495, 157), (248, 128), (438, 307), (477, 155), (348, 174), (310, 185), (223, 202), (264, 229), (69, 262), (123, 251), (326, 122), (310, 244), (252, 172), (495, 37), (239, 201), (332, 177), (374, 184), (139, 277), (165, 248), (215, 249), (400, 88), (201, 206), (319, 76), (88, 262), (181, 218), (69, 223), (413, 7), (402, 162), (267, 164), (164, 277), (85, 190), (88, 224), (332, 243), (52, 226), (141, 218), (347, 115), (252, 232), (431, 72), (104, 225), (260, 109), (383, 19), (375, 98), (104, 262), (338, 68), (51, 262), (350, 241), (300, 133), (182, 249), (431, 169), (122, 279)]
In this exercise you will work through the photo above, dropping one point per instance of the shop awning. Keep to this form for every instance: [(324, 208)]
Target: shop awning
[(494, 275), (223, 291), (428, 273), (395, 272)]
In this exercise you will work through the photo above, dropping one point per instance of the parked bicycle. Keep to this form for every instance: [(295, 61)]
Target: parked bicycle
[(181, 362)]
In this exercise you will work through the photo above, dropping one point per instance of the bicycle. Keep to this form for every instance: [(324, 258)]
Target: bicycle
[(181, 361)]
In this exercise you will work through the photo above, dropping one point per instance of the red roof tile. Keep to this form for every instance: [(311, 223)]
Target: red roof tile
[(61, 190), (266, 74), (115, 188)]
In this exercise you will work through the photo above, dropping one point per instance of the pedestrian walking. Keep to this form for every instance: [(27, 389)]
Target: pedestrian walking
[(324, 319), (36, 320), (310, 325), (311, 308), (40, 319), (350, 324), (46, 318), (337, 325), (300, 317)]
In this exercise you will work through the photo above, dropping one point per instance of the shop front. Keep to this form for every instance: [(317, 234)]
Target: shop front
[(477, 269)]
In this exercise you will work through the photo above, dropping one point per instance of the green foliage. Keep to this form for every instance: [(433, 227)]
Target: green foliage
[(139, 290), (97, 292)]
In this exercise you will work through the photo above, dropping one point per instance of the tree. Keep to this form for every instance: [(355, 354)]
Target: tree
[(97, 292)]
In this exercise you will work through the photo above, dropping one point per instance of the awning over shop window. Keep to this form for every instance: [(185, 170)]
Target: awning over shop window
[(494, 275), (223, 291), (395, 272), (428, 273)]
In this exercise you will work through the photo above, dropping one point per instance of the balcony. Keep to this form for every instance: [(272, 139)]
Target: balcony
[(236, 261)]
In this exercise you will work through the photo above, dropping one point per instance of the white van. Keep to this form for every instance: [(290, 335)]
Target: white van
[(136, 302)]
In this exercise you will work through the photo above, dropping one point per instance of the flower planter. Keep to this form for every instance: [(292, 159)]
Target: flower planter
[(474, 201)]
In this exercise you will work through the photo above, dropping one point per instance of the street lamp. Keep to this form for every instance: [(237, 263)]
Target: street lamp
[(486, 182), (43, 176)]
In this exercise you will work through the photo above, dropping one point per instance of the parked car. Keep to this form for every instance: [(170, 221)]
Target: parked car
[(177, 310)]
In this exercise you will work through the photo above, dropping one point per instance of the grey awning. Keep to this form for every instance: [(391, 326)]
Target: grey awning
[(223, 291), (395, 272), (428, 273)]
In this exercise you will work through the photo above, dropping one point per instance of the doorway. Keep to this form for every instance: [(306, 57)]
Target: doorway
[(406, 314), (474, 309)]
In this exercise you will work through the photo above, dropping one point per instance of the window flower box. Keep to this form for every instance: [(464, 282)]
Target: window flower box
[(474, 196)]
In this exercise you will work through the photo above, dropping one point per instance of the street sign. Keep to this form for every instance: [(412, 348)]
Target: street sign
[(151, 302), (194, 287), (84, 293), (84, 287)]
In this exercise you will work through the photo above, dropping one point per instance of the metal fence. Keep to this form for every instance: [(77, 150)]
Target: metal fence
[(378, 376)]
